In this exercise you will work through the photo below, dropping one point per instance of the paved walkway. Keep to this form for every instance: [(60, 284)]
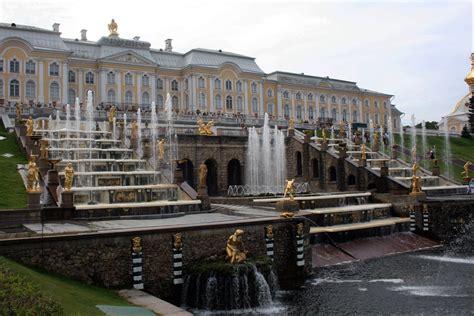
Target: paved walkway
[(153, 303)]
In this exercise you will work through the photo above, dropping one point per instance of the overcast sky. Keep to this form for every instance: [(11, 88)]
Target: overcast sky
[(416, 50)]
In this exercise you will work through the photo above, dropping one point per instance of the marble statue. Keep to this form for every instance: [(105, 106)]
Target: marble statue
[(202, 175), (466, 167), (33, 175), (29, 126), (236, 252), (161, 149), (290, 189), (68, 177)]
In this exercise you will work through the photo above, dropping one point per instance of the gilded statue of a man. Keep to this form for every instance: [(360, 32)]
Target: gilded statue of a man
[(18, 113), (235, 250), (112, 113), (113, 26), (363, 154), (202, 175), (68, 177), (291, 124), (161, 149), (466, 167), (134, 129), (33, 175), (44, 145), (290, 189), (29, 126)]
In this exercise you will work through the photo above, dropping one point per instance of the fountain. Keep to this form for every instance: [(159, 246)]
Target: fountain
[(90, 117), (139, 150), (447, 149), (371, 131), (423, 142), (77, 114), (154, 126), (402, 141), (390, 135), (68, 119), (263, 176), (413, 139)]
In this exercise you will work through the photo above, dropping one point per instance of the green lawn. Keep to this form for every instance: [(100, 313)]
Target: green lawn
[(461, 148), (12, 190), (76, 298)]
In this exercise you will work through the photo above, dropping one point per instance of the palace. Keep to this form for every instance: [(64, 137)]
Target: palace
[(38, 66)]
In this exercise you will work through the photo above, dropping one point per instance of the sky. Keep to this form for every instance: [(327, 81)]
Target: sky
[(418, 51)]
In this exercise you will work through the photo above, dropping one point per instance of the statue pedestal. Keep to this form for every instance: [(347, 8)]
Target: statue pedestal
[(291, 132), (204, 197), (287, 206), (417, 196), (376, 147), (53, 182), (67, 199), (436, 170), (362, 162), (324, 146), (34, 200)]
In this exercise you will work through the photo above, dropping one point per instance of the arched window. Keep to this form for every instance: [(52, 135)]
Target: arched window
[(332, 174), (254, 105), (218, 101), (71, 76), (30, 89), (310, 97), (344, 115), (145, 98), (111, 96), (385, 119), (14, 88), (298, 112), (174, 85), (186, 84), (54, 91), (240, 104), (111, 77), (89, 78), (299, 164), (202, 100), (238, 86), (376, 104), (366, 102), (71, 96), (159, 84), (228, 85), (377, 119), (14, 66), (145, 80), (322, 98), (298, 96), (334, 114), (128, 79), (30, 68), (54, 69), (343, 100), (310, 113), (367, 118), (385, 105), (186, 102), (1, 88), (174, 102), (160, 101), (286, 95), (228, 103), (128, 97), (355, 117), (254, 87), (270, 93), (333, 99), (270, 108), (287, 110), (201, 83), (322, 112), (354, 102), (217, 84)]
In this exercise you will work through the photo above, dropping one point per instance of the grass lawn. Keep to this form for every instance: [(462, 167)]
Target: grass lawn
[(76, 298), (12, 190), (461, 148)]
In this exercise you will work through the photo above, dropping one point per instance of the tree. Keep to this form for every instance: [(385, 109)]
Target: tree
[(465, 132), (470, 113), (428, 125)]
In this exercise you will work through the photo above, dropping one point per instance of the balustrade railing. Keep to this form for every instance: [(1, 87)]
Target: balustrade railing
[(247, 190)]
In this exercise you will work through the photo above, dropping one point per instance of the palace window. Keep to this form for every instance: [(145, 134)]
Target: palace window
[(286, 95), (217, 84), (1, 65), (322, 98), (377, 119), (376, 104), (270, 93), (366, 102), (322, 112), (254, 87), (287, 110), (333, 99), (270, 108), (240, 105), (367, 118), (218, 102), (254, 105), (54, 91), (160, 101), (228, 85), (186, 84), (228, 103), (174, 85), (354, 102), (145, 98), (159, 84), (355, 117), (385, 105), (14, 66), (174, 102), (30, 89), (128, 79), (310, 113), (145, 80), (298, 96), (344, 115), (71, 96), (128, 97), (1, 88), (310, 97), (54, 69), (30, 67), (202, 101), (343, 100), (334, 114), (89, 78), (111, 96), (201, 83), (238, 86), (298, 112), (111, 77), (71, 77)]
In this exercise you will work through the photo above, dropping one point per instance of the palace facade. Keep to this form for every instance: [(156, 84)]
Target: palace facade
[(39, 66)]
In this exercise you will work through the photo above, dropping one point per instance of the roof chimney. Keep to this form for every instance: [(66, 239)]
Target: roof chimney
[(56, 27), (136, 38), (168, 47), (83, 35)]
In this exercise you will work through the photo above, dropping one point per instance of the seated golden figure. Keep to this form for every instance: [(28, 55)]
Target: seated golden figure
[(205, 128), (290, 189), (465, 173), (235, 247), (29, 126), (68, 177)]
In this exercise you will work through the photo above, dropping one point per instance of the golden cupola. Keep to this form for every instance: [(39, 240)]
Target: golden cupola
[(470, 77)]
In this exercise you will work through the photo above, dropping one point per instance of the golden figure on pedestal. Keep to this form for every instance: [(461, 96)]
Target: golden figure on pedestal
[(235, 247), (178, 241), (300, 229), (465, 173), (325, 137), (29, 126), (291, 124), (68, 177), (137, 244), (205, 128), (44, 146), (18, 113), (161, 149), (113, 26), (134, 129), (341, 129), (112, 113), (363, 155), (269, 231), (376, 139), (33, 175), (415, 181), (290, 189), (202, 175)]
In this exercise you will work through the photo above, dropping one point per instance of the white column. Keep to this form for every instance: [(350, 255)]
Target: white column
[(65, 85), (279, 96), (246, 97), (305, 100), (211, 94), (80, 78), (153, 87), (118, 98), (40, 82), (102, 85), (316, 108), (193, 93), (340, 111), (293, 110), (262, 108), (139, 88)]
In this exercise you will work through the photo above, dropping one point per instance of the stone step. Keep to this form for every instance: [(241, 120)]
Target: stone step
[(315, 197), (349, 208), (135, 205), (356, 226)]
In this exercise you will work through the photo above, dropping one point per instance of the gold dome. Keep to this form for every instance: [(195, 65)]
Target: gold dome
[(470, 77)]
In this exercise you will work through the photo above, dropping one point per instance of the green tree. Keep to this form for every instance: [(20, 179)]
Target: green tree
[(470, 113), (429, 125), (465, 132)]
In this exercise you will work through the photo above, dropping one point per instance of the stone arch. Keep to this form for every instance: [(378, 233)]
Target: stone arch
[(315, 168), (332, 174), (351, 180), (299, 164), (234, 172), (211, 179), (188, 171)]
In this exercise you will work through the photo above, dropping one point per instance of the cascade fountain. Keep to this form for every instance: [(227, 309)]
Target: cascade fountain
[(447, 149), (90, 118), (371, 132), (154, 125), (68, 119), (413, 139), (262, 175), (390, 135), (57, 121), (77, 114), (172, 137), (382, 144), (139, 139), (423, 142), (402, 141), (126, 140)]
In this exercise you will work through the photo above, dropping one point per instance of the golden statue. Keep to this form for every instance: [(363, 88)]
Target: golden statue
[(29, 126), (44, 146), (415, 169), (291, 124), (290, 189), (415, 184), (161, 149), (341, 129), (376, 139), (235, 247), (68, 177), (113, 26), (18, 113), (269, 231), (111, 115), (202, 175), (137, 244), (205, 128), (363, 155), (300, 229), (134, 129), (178, 241), (325, 137), (466, 167), (33, 175), (287, 215)]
